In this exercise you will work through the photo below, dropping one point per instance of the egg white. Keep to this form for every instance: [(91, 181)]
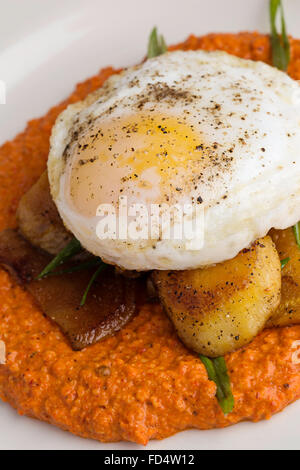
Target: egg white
[(232, 142)]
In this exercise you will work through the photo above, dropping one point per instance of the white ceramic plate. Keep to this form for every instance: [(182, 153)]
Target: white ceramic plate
[(45, 49)]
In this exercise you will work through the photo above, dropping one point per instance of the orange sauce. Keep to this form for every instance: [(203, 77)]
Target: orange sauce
[(143, 383)]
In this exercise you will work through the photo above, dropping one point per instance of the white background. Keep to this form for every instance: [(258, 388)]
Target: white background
[(46, 46)]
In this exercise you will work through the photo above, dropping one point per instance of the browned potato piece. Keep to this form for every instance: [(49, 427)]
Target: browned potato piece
[(288, 312), (38, 218), (218, 309)]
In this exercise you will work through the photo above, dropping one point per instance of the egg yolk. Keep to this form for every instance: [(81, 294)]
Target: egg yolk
[(147, 158)]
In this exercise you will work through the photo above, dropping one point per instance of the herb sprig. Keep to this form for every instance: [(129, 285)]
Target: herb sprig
[(71, 249), (91, 282), (296, 229), (156, 45), (217, 373), (77, 267), (284, 262), (280, 43)]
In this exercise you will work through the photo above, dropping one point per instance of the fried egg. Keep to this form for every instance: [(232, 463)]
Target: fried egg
[(205, 129)]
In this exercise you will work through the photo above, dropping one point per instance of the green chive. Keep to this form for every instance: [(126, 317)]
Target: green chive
[(77, 267), (284, 262), (92, 280), (296, 229), (73, 248), (280, 43), (156, 44), (217, 372)]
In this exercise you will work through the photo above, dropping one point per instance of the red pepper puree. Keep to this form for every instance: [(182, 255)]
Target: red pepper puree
[(142, 383)]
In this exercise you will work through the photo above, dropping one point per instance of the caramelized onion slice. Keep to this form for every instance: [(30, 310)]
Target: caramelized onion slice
[(111, 303)]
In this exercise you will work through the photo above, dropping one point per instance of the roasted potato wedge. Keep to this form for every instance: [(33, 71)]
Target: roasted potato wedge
[(218, 309), (38, 218), (288, 312)]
